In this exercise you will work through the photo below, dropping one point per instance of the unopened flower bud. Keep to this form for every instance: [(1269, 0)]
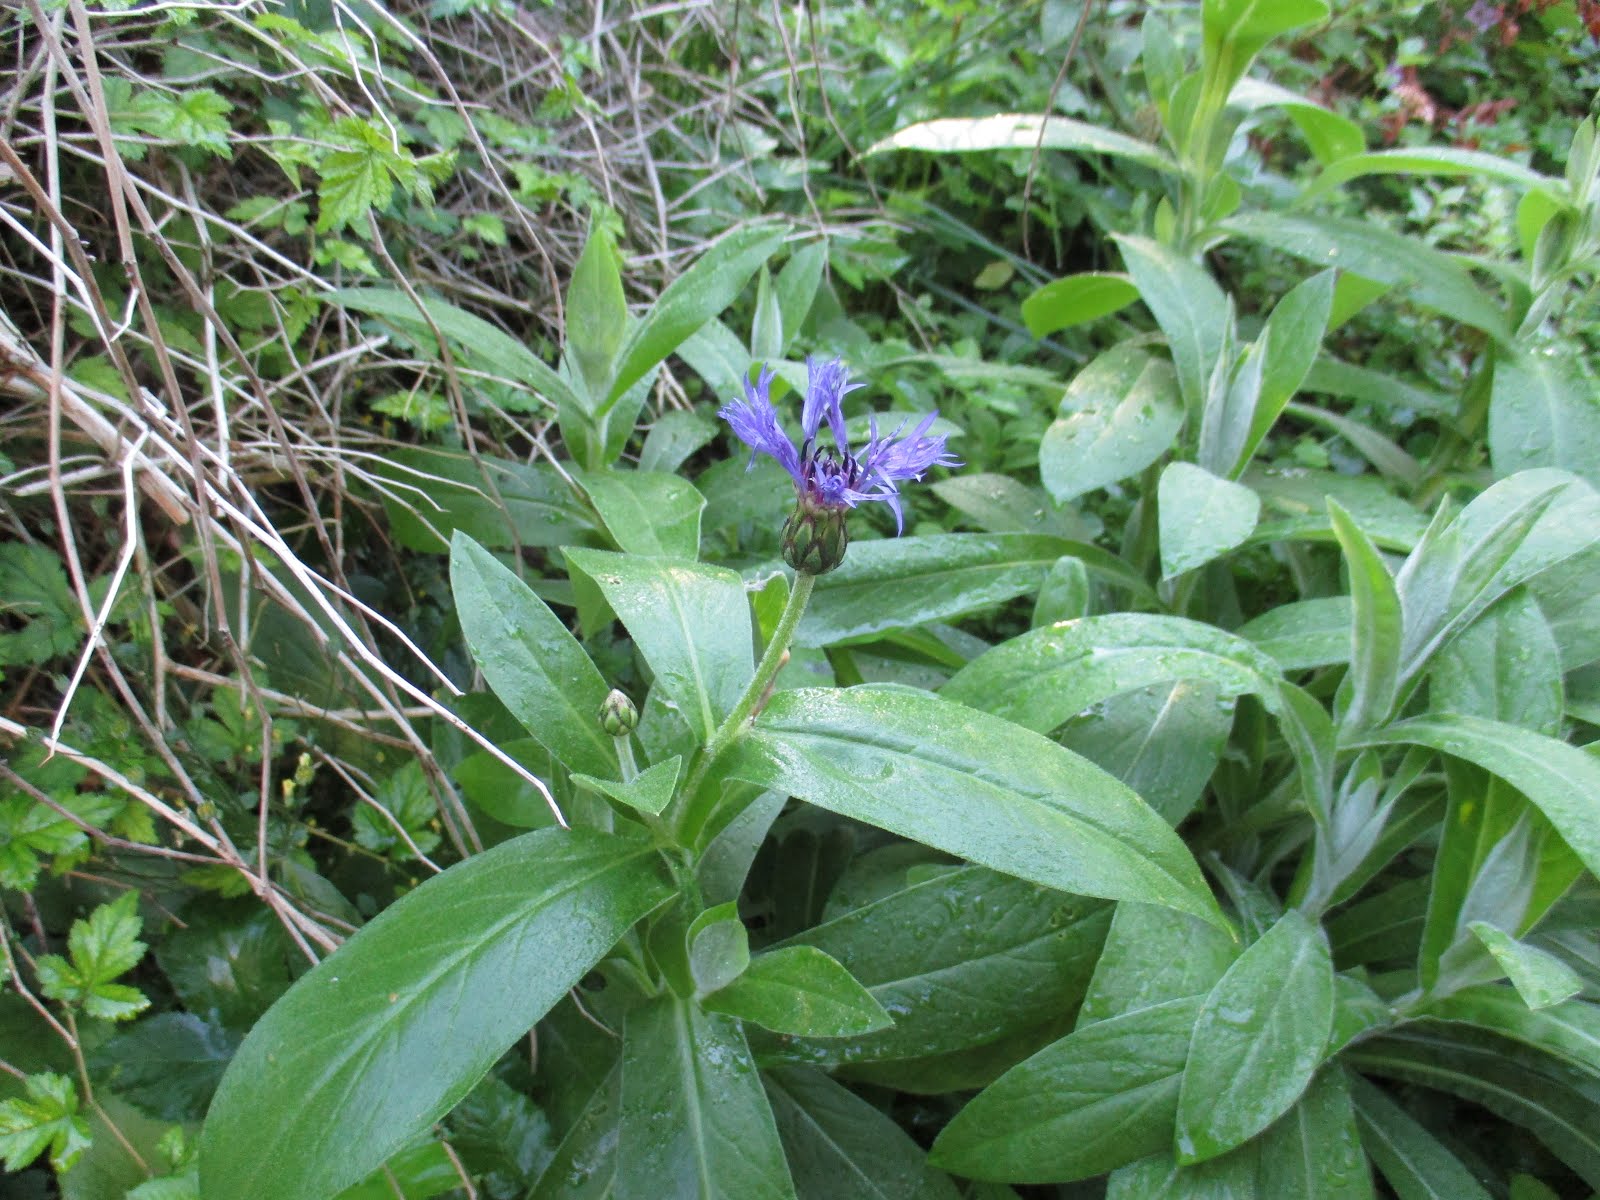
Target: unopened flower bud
[(815, 538), (618, 716)]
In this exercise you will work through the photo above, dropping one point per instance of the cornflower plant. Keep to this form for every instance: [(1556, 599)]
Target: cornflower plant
[(619, 925)]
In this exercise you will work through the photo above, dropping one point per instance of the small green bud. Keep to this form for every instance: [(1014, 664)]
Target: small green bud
[(815, 538), (618, 716)]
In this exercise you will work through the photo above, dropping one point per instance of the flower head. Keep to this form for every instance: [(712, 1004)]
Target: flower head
[(829, 481)]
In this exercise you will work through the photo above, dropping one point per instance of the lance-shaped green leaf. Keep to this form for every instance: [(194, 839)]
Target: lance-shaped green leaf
[(1518, 1084), (802, 992), (1569, 1031), (1236, 30), (1410, 1158), (1043, 677), (379, 1040), (963, 959), (842, 1148), (1447, 161), (1152, 956), (690, 621), (1007, 798), (1258, 1040), (1541, 979), (1288, 346), (1201, 517), (1562, 781), (1076, 300), (1188, 305), (1021, 131), (1093, 1101), (648, 512), (531, 660), (597, 313), (899, 583), (712, 283), (695, 1122), (1119, 414), (1376, 630), (1314, 1152), (1434, 278), (485, 346)]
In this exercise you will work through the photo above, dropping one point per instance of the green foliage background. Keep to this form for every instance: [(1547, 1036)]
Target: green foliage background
[(1199, 800)]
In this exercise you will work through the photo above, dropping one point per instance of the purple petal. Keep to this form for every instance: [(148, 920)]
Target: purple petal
[(827, 381), (893, 458), (755, 423)]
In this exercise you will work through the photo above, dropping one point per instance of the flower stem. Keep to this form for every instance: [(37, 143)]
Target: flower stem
[(692, 816), (625, 761)]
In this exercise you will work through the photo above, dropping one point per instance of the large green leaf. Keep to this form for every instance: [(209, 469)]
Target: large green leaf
[(378, 1041), (1314, 1152), (476, 341), (1162, 1177), (1258, 1040), (689, 620), (803, 992), (1304, 633), (531, 660), (648, 512), (1095, 1100), (1163, 741), (1201, 517), (900, 583), (1376, 629), (1045, 676), (1413, 1162), (1542, 415), (1433, 278), (1188, 305), (1235, 30), (840, 1147), (712, 283), (1562, 781), (1119, 414), (1021, 131), (959, 960), (971, 785), (430, 494), (1559, 1106), (1076, 300), (1152, 956), (1448, 161), (695, 1122), (1569, 1031)]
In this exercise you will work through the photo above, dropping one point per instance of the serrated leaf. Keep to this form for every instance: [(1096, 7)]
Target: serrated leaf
[(46, 1117)]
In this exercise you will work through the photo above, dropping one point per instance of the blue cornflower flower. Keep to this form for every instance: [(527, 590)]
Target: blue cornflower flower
[(829, 481)]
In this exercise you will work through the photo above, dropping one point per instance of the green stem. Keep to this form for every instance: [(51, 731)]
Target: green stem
[(692, 816), (629, 768)]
